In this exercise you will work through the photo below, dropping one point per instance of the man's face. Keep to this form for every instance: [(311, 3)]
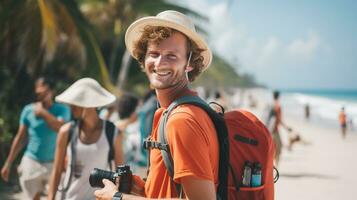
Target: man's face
[(42, 91), (165, 62)]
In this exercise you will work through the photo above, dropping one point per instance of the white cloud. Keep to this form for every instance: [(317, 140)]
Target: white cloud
[(268, 51), (304, 48), (256, 55)]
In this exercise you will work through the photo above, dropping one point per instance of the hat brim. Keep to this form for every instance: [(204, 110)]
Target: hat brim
[(87, 97), (70, 101), (135, 31)]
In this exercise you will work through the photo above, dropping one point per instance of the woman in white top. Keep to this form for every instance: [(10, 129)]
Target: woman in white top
[(91, 146)]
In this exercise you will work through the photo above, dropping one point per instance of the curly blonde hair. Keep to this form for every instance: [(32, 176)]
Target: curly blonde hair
[(156, 34)]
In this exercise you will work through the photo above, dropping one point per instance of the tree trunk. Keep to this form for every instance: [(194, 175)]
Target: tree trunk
[(124, 69)]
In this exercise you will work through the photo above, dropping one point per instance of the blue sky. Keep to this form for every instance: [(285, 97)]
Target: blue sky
[(286, 44)]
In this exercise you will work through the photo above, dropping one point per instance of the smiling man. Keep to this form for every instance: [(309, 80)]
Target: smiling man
[(172, 55)]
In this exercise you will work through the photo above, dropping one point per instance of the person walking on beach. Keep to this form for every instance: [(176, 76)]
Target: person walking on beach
[(307, 111), (90, 139), (172, 55), (277, 121), (343, 122), (39, 124)]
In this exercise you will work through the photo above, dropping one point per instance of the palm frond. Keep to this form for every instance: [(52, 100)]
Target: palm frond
[(50, 30), (95, 61)]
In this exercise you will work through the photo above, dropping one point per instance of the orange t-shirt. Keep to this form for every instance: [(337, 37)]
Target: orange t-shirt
[(194, 148)]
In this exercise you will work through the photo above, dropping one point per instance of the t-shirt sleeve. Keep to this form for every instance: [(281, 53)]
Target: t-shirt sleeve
[(64, 113), (189, 147), (24, 115)]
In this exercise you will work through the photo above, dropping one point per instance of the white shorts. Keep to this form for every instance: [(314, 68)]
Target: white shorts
[(33, 176)]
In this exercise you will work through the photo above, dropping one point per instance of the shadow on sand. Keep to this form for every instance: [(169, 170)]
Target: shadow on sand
[(307, 175)]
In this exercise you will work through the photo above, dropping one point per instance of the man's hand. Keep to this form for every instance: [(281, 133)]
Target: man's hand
[(39, 110), (107, 192), (5, 172)]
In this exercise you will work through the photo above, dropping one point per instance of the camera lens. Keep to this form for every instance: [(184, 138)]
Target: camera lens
[(97, 175)]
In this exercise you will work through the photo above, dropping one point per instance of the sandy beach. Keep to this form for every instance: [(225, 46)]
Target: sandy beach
[(324, 169), (321, 167)]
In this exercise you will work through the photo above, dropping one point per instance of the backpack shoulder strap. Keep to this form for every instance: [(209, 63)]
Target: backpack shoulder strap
[(109, 133), (72, 141), (71, 131), (222, 133)]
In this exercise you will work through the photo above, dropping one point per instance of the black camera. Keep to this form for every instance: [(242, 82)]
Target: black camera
[(122, 172)]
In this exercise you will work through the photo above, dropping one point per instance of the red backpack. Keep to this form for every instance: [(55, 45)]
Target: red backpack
[(242, 137)]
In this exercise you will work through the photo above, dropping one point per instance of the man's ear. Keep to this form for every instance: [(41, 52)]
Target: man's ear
[(188, 68)]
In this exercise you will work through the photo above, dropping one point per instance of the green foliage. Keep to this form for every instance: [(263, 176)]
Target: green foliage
[(222, 74), (13, 96)]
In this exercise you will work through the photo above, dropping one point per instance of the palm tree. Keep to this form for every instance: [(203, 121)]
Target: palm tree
[(38, 37), (36, 33)]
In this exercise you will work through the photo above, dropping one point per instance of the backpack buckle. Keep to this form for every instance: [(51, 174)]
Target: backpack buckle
[(149, 144)]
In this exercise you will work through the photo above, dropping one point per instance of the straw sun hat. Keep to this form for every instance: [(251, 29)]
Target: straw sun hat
[(87, 93), (171, 19)]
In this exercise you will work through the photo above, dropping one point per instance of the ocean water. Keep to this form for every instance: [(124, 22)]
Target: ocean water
[(324, 104)]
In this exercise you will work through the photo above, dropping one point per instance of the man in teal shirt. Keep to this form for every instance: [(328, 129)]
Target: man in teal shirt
[(39, 124)]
